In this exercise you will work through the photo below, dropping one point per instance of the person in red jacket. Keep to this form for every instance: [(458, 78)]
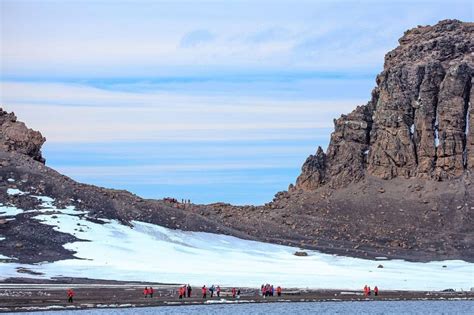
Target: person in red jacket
[(234, 292), (218, 290), (146, 292), (365, 290), (279, 291), (376, 291), (70, 295), (204, 292), (151, 291)]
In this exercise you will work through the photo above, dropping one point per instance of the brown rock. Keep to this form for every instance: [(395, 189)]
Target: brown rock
[(15, 136), (416, 124)]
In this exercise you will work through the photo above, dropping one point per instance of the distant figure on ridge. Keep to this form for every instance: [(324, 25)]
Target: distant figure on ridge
[(151, 291), (376, 291), (234, 292), (204, 292), (218, 291), (146, 292), (189, 290)]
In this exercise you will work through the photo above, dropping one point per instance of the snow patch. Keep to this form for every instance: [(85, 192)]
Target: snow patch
[(14, 192), (412, 129), (467, 118), (9, 211), (11, 180)]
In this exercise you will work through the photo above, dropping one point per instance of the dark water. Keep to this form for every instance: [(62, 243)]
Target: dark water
[(372, 307)]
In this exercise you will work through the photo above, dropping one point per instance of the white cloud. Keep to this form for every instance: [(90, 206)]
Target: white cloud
[(75, 113), (64, 38), (194, 38)]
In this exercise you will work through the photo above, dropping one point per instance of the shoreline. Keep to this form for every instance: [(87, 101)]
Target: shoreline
[(30, 297)]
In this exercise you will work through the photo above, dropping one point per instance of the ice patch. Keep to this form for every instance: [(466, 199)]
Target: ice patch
[(412, 129), (467, 118), (2, 238), (366, 152), (14, 192), (9, 211), (11, 180)]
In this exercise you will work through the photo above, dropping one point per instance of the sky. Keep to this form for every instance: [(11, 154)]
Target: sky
[(203, 100)]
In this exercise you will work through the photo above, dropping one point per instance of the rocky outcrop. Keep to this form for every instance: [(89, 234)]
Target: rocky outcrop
[(15, 136), (417, 122)]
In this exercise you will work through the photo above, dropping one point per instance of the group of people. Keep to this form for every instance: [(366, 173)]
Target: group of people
[(368, 291), (217, 289), (185, 291), (269, 290), (148, 291)]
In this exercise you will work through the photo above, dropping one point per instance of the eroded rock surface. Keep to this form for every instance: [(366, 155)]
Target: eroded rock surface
[(417, 122), (15, 136)]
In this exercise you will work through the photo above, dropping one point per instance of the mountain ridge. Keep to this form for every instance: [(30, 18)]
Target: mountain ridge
[(382, 188)]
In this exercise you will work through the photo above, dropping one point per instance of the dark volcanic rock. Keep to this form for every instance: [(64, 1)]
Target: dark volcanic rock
[(15, 136), (417, 123)]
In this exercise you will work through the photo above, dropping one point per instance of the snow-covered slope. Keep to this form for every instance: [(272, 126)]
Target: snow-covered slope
[(149, 252)]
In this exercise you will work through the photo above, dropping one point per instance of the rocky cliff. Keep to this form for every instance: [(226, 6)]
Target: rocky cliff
[(417, 122), (15, 136)]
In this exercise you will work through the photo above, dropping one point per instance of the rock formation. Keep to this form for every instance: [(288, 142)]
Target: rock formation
[(417, 122), (394, 182), (15, 136)]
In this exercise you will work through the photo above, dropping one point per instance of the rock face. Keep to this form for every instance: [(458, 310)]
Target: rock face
[(417, 122), (15, 136)]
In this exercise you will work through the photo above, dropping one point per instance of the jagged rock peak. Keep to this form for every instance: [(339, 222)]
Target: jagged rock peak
[(15, 136), (417, 121)]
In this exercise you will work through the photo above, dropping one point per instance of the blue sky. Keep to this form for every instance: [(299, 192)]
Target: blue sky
[(211, 101)]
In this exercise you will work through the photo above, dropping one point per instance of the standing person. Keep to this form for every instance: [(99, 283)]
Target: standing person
[(368, 290), (263, 290), (212, 289), (238, 293), (272, 290), (145, 292), (218, 290), (189, 290), (234, 292), (365, 290), (376, 291), (70, 295), (151, 291), (279, 291), (204, 291)]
